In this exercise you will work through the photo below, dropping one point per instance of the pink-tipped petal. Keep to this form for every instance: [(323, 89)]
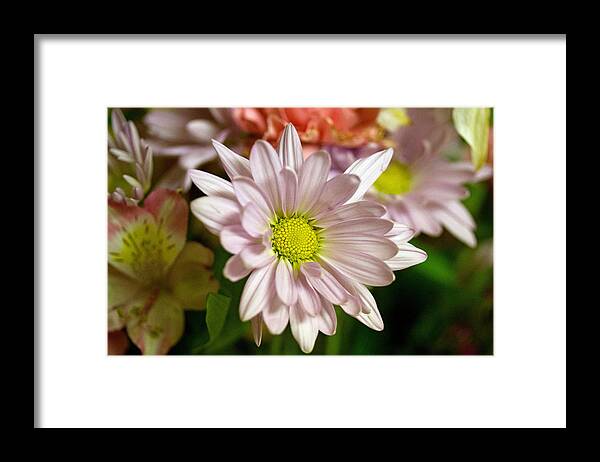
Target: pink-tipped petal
[(211, 185), (290, 149), (234, 164), (257, 292), (408, 255), (312, 179), (216, 212), (304, 328), (266, 168), (170, 210), (368, 170), (235, 269), (285, 284)]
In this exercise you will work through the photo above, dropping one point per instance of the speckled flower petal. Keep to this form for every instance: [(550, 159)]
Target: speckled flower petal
[(158, 324), (191, 278)]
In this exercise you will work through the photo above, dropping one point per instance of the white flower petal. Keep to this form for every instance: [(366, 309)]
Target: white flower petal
[(266, 168), (312, 179), (456, 227), (325, 283), (257, 292), (372, 226), (211, 185), (336, 191), (400, 233), (304, 328), (408, 255), (370, 317), (285, 285), (254, 221), (234, 164), (248, 192), (276, 316), (308, 299), (368, 170), (327, 320), (202, 130), (377, 246), (216, 212), (234, 238), (235, 269), (353, 211), (290, 149), (289, 190), (362, 268), (257, 256)]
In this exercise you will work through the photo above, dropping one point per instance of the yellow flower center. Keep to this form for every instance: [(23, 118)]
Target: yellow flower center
[(294, 239), (397, 179)]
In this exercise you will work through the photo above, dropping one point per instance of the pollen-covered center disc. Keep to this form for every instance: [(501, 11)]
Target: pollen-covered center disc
[(294, 239)]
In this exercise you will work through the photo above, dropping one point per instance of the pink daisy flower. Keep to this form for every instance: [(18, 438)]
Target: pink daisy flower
[(307, 243)]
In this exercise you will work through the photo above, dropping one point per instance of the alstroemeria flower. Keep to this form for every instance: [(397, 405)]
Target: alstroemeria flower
[(306, 243), (153, 274), (184, 134), (420, 187)]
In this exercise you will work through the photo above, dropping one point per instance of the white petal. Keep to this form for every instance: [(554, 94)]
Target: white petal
[(276, 316), (308, 299), (400, 233), (202, 130), (327, 319), (372, 226), (234, 238), (248, 192), (216, 212), (195, 157), (289, 190), (408, 255), (355, 210), (290, 149), (304, 328), (256, 322), (362, 268), (257, 292), (266, 168), (211, 185), (235, 269), (371, 318), (336, 192), (456, 227), (368, 170), (422, 217), (312, 179), (256, 256), (254, 221), (377, 246), (285, 283), (234, 164), (324, 283)]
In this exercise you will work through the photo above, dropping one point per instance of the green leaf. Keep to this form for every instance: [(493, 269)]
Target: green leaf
[(217, 306), (473, 125)]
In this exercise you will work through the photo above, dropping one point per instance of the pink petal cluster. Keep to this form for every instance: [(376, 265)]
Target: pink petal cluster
[(357, 247)]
